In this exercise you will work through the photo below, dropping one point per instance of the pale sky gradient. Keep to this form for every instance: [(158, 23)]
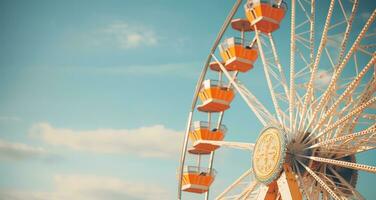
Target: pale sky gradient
[(95, 94)]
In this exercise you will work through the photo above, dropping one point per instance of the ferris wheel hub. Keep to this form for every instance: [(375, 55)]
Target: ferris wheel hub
[(269, 155)]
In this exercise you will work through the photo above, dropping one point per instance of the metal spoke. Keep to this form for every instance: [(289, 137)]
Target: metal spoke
[(345, 137), (235, 145), (292, 66), (350, 88), (266, 71), (256, 106), (322, 44), (370, 88), (248, 190), (345, 118), (280, 68), (350, 165), (348, 28), (324, 99), (320, 181), (348, 185), (234, 184)]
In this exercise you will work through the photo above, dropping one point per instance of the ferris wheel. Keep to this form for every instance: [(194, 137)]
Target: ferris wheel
[(323, 101)]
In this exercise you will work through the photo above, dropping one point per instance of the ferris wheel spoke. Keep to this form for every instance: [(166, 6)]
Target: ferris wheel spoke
[(267, 76), (348, 28), (279, 66), (292, 66), (238, 181), (325, 97), (304, 10), (364, 96), (343, 119), (309, 93), (336, 186), (356, 63), (248, 190), (303, 72), (350, 165), (364, 50), (311, 20), (312, 32), (340, 152), (303, 41), (350, 88), (263, 190), (346, 184), (320, 181), (337, 24), (352, 144), (254, 104), (301, 181), (348, 137), (234, 145), (330, 58), (301, 24)]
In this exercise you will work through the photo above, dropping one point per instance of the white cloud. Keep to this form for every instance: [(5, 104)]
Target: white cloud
[(19, 151), (177, 69), (365, 15), (128, 36), (322, 78), (335, 40), (9, 119), (89, 187), (154, 141)]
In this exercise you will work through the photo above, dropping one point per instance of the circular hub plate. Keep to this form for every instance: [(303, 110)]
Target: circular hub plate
[(269, 155)]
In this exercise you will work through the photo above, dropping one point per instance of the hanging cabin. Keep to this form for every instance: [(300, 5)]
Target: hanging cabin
[(266, 15), (215, 96), (201, 131), (197, 179), (236, 55)]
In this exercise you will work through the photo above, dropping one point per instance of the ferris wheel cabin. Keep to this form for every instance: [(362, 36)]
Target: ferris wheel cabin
[(201, 131), (237, 56), (197, 179), (215, 97), (266, 15)]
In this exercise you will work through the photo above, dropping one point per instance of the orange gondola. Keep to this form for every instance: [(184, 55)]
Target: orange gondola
[(215, 96), (201, 131), (197, 179), (265, 15), (196, 151), (236, 56)]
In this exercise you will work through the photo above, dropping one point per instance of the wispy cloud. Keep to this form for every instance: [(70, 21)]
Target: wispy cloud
[(335, 39), (323, 78), (127, 36), (189, 69), (89, 187), (19, 151), (10, 119), (154, 141), (365, 15)]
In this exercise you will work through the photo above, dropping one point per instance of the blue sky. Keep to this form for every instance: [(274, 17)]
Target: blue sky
[(95, 94)]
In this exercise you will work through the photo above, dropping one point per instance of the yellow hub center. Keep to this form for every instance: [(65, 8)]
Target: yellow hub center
[(268, 155)]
